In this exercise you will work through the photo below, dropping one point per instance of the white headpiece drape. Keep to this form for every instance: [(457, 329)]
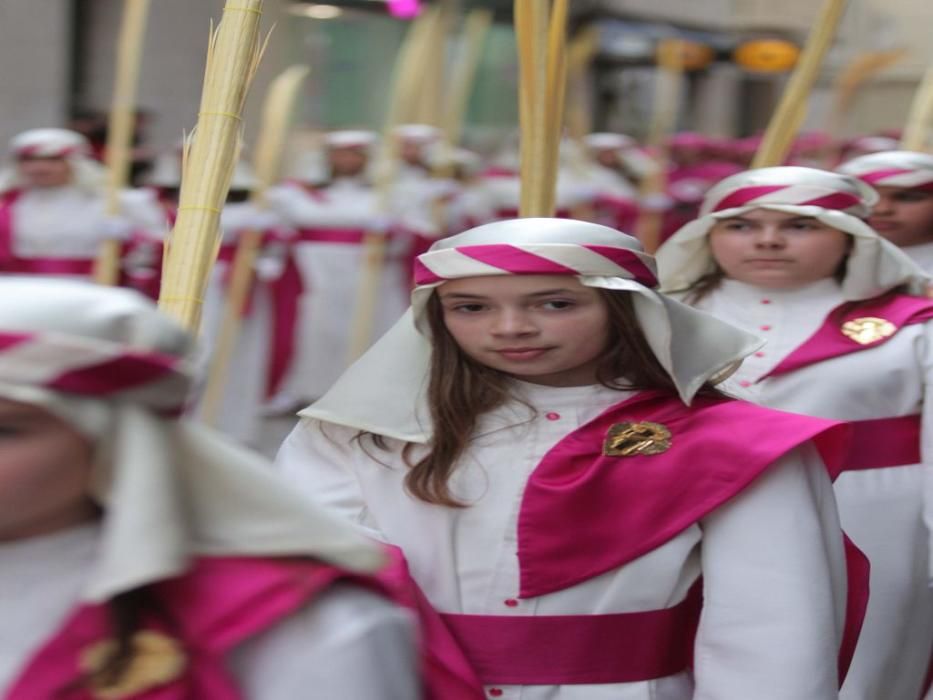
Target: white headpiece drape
[(106, 361), (384, 392)]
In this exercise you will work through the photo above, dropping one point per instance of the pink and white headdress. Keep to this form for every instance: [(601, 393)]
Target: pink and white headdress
[(906, 169), (841, 201), (107, 362), (384, 391), (54, 143)]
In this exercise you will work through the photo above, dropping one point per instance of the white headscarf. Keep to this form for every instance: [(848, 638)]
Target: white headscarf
[(874, 265), (907, 169), (71, 146), (384, 392), (106, 361)]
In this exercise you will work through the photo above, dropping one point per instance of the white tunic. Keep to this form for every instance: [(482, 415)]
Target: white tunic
[(771, 557), (921, 254), (881, 509), (70, 222), (348, 643), (245, 381), (331, 272)]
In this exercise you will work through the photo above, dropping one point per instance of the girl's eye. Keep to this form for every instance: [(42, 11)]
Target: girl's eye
[(910, 196), (736, 226), (804, 226), (557, 304), (468, 308)]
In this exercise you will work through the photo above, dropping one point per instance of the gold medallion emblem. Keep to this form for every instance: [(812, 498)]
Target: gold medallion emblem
[(631, 439), (157, 659), (868, 330)]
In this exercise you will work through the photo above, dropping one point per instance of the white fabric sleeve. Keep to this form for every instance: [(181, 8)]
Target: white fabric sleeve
[(349, 644), (303, 211), (774, 588), (318, 459), (142, 208), (925, 359)]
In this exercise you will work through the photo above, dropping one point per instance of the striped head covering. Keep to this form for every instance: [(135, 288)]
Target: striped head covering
[(107, 362), (840, 201), (54, 143), (383, 392), (905, 169)]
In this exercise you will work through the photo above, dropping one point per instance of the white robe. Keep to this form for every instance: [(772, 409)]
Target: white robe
[(245, 381), (880, 509), (331, 273), (922, 255), (70, 222), (348, 643), (771, 557)]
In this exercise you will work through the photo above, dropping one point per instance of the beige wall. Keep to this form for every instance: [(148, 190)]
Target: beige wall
[(34, 55), (173, 61)]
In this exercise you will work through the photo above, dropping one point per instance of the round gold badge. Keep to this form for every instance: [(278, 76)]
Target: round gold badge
[(157, 660), (631, 439), (868, 330)]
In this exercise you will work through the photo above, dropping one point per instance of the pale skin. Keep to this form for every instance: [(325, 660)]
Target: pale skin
[(777, 250), (44, 172), (45, 468), (543, 329), (347, 161), (903, 215)]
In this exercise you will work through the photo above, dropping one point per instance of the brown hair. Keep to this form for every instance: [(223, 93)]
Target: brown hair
[(460, 390)]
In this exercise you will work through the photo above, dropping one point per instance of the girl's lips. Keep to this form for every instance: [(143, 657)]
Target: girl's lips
[(522, 354), (882, 225)]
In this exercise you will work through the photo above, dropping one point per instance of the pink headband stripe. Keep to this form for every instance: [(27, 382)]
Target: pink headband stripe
[(629, 261), (748, 195), (425, 275), (837, 200), (10, 340), (745, 195), (876, 175), (119, 374), (514, 260), (128, 371)]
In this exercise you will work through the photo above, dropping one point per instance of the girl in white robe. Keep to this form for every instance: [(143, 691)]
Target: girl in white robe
[(540, 438), (142, 556), (785, 253)]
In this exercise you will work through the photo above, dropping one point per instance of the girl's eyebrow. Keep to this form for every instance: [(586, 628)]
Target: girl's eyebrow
[(543, 293)]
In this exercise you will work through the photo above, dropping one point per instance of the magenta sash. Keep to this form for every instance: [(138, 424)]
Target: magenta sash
[(884, 442), (330, 235), (624, 507), (580, 649), (6, 226), (828, 342), (285, 292), (221, 603)]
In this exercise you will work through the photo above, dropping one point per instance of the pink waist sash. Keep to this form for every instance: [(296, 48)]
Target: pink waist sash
[(337, 235), (48, 266), (884, 442), (579, 649)]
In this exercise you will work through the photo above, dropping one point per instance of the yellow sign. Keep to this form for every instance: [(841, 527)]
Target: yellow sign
[(767, 55)]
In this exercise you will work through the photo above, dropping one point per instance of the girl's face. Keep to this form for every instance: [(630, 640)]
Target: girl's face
[(45, 466), (903, 216), (545, 329), (777, 250)]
